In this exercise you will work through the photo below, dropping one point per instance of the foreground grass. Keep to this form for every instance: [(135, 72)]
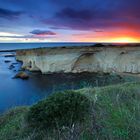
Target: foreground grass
[(12, 123), (113, 114), (116, 110)]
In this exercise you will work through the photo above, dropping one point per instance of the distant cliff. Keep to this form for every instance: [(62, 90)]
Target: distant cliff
[(122, 59)]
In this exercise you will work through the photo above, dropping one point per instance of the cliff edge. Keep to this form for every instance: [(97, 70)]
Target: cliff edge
[(107, 59)]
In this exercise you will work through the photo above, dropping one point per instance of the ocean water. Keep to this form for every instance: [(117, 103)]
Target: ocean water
[(13, 46), (18, 92)]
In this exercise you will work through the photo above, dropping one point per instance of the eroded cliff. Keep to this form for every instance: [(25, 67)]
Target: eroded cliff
[(106, 59)]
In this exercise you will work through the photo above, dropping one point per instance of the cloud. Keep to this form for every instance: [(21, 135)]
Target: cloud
[(96, 18), (26, 37), (9, 14), (80, 19), (42, 32), (82, 15), (68, 17), (59, 28), (22, 36), (38, 34), (98, 31), (70, 13)]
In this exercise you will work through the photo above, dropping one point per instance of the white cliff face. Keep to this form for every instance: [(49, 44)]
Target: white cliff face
[(82, 59)]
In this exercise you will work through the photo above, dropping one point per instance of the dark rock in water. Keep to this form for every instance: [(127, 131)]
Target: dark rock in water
[(9, 55), (21, 75), (21, 69), (11, 66), (7, 61), (15, 63), (99, 45)]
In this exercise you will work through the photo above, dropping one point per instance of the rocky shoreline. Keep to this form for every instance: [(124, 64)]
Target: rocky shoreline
[(106, 59)]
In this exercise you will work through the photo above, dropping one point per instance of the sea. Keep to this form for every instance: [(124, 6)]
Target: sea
[(14, 46)]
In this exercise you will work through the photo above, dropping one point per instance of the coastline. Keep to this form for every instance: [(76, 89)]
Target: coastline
[(14, 50), (105, 91), (64, 44), (51, 79), (96, 58)]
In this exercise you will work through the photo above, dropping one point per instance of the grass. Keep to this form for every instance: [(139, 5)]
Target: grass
[(61, 109), (116, 109), (114, 114), (12, 123)]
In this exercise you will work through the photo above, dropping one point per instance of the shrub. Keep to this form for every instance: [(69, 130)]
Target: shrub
[(60, 109)]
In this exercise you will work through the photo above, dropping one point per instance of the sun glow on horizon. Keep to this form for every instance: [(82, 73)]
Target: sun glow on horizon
[(105, 37), (125, 40)]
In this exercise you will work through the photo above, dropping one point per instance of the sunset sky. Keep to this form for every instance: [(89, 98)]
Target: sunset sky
[(69, 20)]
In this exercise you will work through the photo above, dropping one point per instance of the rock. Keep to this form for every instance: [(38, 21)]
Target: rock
[(9, 55), (11, 66), (108, 59), (99, 45), (21, 75), (7, 61), (15, 63)]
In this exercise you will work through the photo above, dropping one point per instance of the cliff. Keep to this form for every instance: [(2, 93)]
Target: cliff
[(120, 59)]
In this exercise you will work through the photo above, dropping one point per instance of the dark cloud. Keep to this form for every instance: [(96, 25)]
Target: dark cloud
[(9, 14), (97, 17), (82, 19), (70, 13), (70, 18), (42, 32)]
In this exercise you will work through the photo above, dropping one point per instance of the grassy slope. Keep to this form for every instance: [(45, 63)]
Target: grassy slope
[(115, 115), (11, 123), (117, 110)]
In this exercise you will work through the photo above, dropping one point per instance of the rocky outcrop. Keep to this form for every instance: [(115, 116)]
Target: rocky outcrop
[(7, 61), (21, 75), (120, 59)]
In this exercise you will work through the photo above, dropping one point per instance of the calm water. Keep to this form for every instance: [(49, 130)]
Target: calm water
[(11, 46), (16, 92)]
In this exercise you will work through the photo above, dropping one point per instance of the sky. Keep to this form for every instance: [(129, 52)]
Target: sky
[(69, 21)]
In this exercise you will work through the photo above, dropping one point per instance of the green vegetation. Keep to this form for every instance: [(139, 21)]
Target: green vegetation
[(12, 123), (107, 113), (61, 109)]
